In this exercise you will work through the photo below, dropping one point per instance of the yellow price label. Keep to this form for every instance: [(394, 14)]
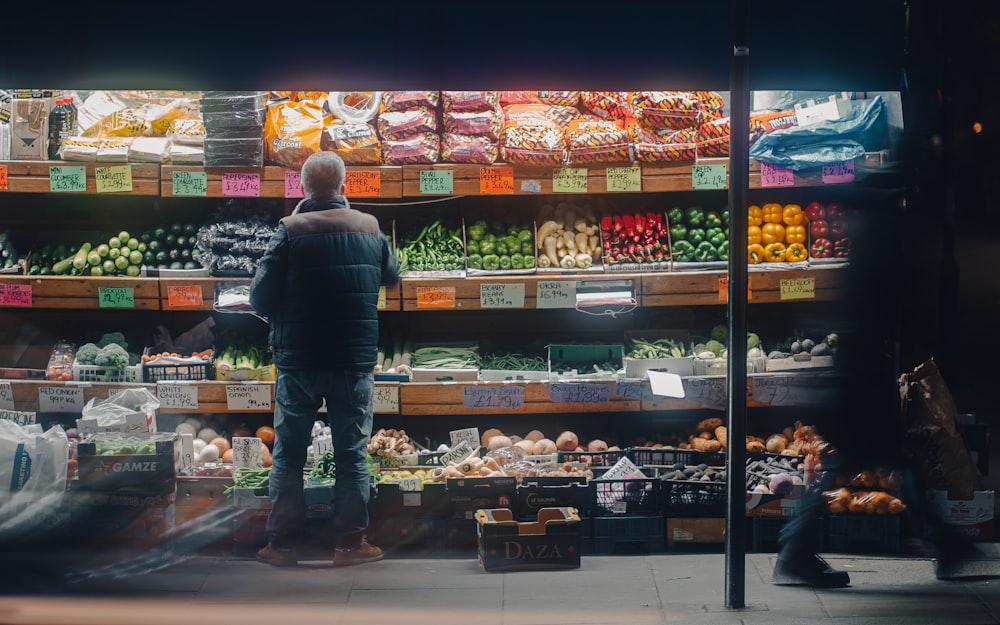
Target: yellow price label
[(798, 288)]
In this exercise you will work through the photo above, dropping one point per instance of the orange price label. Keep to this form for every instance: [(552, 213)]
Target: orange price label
[(724, 289), (496, 180), (363, 183), (3, 178), (184, 295), (435, 297)]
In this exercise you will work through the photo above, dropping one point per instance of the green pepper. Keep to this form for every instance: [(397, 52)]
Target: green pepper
[(501, 248), (678, 231), (513, 243), (491, 262), (527, 248), (725, 217), (715, 236), (723, 250), (695, 217), (476, 232), (525, 234), (475, 261), (713, 220), (696, 235), (472, 247), (705, 252), (516, 261), (529, 261), (505, 262), (682, 251), (487, 246), (675, 215)]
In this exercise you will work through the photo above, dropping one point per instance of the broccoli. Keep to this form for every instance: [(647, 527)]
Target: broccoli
[(113, 337), (112, 355), (87, 353)]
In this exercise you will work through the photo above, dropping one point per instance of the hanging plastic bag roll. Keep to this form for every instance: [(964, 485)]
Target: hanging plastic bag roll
[(354, 107)]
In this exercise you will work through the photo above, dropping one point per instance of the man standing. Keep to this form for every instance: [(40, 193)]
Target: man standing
[(318, 285)]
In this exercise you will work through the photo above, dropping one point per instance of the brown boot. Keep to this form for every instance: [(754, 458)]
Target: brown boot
[(361, 554), (277, 557)]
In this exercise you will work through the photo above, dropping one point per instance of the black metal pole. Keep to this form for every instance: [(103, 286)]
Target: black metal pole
[(739, 181)]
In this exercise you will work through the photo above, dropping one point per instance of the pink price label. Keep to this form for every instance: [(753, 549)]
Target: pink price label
[(838, 173), (15, 295), (293, 184), (238, 184), (776, 176)]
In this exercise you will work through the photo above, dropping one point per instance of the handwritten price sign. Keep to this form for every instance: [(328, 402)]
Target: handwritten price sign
[(247, 452), (496, 180), (15, 295), (15, 416), (241, 185), (293, 184), (3, 178), (435, 297), (776, 176), (838, 173), (505, 396), (709, 177), (60, 399), (6, 395), (183, 396), (437, 182), (555, 295), (505, 295), (624, 179), (189, 183), (776, 391), (113, 179), (363, 183), (67, 179), (184, 295), (639, 390), (798, 288), (709, 392), (579, 392), (248, 397), (386, 399), (569, 180), (115, 297)]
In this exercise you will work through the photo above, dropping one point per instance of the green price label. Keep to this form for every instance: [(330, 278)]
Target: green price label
[(116, 297), (437, 182), (628, 179), (569, 180), (67, 179), (190, 183), (709, 177)]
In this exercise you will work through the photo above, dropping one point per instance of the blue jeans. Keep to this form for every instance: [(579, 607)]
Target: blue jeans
[(299, 394)]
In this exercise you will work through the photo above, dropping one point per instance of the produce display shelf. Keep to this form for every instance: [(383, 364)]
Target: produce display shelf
[(434, 398), (694, 288), (272, 180), (33, 176), (84, 293)]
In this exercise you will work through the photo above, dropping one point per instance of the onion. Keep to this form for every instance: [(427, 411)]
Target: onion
[(207, 434), (534, 435), (185, 428), (210, 453), (567, 441), (597, 445)]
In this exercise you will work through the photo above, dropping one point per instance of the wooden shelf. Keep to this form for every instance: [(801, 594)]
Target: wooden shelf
[(33, 177)]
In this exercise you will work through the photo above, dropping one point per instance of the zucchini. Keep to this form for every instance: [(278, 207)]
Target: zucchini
[(80, 258), (64, 265)]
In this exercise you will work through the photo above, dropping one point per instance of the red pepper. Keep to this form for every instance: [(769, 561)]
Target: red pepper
[(819, 228), (835, 211), (640, 223), (838, 228), (629, 222), (631, 248), (615, 251), (606, 244), (842, 248), (815, 211), (821, 248), (606, 223), (618, 225)]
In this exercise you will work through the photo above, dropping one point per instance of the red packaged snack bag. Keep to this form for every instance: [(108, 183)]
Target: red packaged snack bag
[(457, 148), (423, 148)]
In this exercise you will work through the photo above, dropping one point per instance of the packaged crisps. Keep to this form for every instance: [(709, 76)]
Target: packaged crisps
[(654, 146), (149, 150), (711, 139), (763, 122), (405, 100), (710, 105), (292, 132), (128, 122), (187, 131), (486, 123), (469, 100), (559, 98), (399, 125), (546, 114), (664, 110), (357, 144), (606, 104), (160, 117), (468, 149), (533, 144), (424, 148), (114, 149), (597, 141)]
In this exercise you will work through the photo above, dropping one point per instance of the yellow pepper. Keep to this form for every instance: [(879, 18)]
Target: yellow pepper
[(771, 213), (774, 252), (796, 253), (754, 215), (772, 233), (755, 253), (792, 215), (753, 234), (795, 234)]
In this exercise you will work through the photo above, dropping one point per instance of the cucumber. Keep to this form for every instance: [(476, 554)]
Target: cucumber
[(62, 266), (80, 258)]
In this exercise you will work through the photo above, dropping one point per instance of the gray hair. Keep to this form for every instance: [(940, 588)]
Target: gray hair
[(323, 174)]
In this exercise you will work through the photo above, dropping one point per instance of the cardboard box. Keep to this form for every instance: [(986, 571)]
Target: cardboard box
[(466, 495), (29, 140), (762, 505), (137, 473), (695, 531), (265, 374), (551, 542), (973, 517)]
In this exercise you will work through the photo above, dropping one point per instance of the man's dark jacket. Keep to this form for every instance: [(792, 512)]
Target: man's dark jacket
[(318, 285)]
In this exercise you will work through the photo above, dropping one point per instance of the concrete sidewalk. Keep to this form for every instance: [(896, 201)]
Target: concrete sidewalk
[(669, 588)]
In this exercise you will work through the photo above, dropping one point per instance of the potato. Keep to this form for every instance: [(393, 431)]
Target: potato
[(498, 442), (567, 441), (488, 434), (527, 445), (776, 443), (597, 445), (545, 446), (534, 436)]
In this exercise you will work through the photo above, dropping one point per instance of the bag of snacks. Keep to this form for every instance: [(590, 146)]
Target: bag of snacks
[(406, 100), (655, 146), (597, 141), (357, 144), (559, 98), (469, 100), (399, 125), (661, 110), (292, 132), (486, 123), (456, 148), (606, 104), (423, 148)]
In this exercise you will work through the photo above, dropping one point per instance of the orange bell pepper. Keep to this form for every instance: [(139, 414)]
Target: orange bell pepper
[(795, 234), (772, 233), (754, 215), (771, 213), (753, 234), (755, 253), (792, 215), (796, 253), (775, 252)]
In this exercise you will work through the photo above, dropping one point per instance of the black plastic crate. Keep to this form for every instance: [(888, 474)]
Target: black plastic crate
[(535, 493), (390, 502), (862, 533), (629, 496), (626, 535), (593, 458), (650, 457), (412, 534), (153, 372), (694, 498)]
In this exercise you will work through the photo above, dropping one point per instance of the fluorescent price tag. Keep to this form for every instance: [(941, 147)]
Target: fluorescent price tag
[(501, 295), (6, 395), (709, 176), (838, 173), (381, 298), (386, 399), (293, 183), (67, 179), (189, 183), (248, 396), (724, 289), (241, 185), (506, 396), (776, 176), (798, 288), (363, 183), (579, 392), (247, 452), (184, 295), (437, 182), (468, 436), (15, 295), (3, 178), (496, 180), (60, 399), (173, 395), (113, 179), (569, 180), (18, 417), (624, 179), (555, 294), (115, 297), (435, 297)]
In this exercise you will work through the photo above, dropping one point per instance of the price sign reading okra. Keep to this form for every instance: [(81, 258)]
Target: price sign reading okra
[(248, 397), (503, 295), (15, 295), (189, 183), (579, 392), (506, 396), (6, 395), (555, 294), (174, 395), (385, 399), (18, 417)]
